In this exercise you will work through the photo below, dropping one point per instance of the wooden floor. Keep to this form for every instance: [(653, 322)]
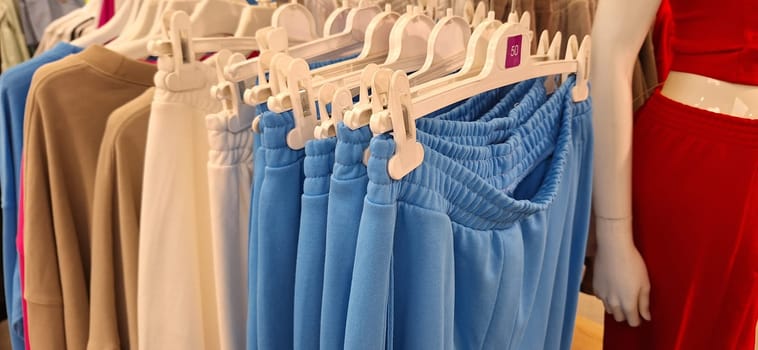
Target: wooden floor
[(588, 335), (5, 338), (588, 332)]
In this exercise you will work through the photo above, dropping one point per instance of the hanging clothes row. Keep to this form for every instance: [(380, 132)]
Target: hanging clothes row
[(229, 176), (388, 287)]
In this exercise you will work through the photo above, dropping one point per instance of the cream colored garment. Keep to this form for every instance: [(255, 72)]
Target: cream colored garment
[(67, 111), (12, 43), (176, 282), (115, 227), (230, 175)]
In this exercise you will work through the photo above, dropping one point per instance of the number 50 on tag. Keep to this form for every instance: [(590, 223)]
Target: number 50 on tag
[(513, 52)]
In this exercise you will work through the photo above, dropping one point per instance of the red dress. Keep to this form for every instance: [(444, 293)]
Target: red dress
[(695, 194)]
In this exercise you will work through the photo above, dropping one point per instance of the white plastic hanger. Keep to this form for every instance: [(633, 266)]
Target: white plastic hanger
[(476, 53), (90, 10), (134, 13), (507, 61), (362, 109), (54, 26), (215, 18), (238, 72), (446, 50), (435, 9), (179, 70), (375, 48), (231, 93), (351, 38), (212, 22), (163, 46), (295, 13), (211, 18), (321, 9), (407, 50), (341, 100), (410, 37), (342, 104), (253, 18), (54, 32), (546, 50), (230, 96), (361, 114), (290, 17), (138, 47), (375, 45), (140, 26), (467, 11), (337, 20), (404, 51), (65, 31), (380, 83), (445, 53), (62, 30), (211, 44), (110, 30), (480, 13)]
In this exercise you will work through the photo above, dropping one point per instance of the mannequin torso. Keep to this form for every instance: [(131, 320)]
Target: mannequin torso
[(691, 161), (712, 95)]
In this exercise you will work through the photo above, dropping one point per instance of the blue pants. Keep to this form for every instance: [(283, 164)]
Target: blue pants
[(272, 247), (309, 275), (459, 124), (449, 258)]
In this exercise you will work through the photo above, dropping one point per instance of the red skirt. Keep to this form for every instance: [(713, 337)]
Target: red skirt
[(695, 184)]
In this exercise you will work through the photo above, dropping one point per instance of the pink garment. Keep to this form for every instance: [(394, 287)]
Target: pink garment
[(107, 10), (20, 247)]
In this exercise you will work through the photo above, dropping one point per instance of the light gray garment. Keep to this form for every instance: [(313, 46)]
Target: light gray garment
[(37, 14)]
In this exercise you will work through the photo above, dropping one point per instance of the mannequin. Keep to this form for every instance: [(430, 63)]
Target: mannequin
[(715, 95), (621, 277)]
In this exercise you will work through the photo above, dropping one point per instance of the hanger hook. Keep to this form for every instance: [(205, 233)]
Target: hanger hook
[(513, 6)]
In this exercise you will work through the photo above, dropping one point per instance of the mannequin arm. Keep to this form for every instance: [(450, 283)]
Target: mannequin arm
[(620, 279)]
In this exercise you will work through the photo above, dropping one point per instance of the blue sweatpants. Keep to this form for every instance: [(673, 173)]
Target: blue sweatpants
[(271, 277), (309, 276), (259, 166), (448, 258), (349, 181)]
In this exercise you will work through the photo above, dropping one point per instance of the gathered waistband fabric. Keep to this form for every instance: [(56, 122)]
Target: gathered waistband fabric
[(318, 165), (474, 126), (489, 124), (445, 185), (349, 152), (228, 147), (274, 140), (460, 124)]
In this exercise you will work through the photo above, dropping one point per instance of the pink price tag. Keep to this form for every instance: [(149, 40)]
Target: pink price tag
[(513, 52)]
